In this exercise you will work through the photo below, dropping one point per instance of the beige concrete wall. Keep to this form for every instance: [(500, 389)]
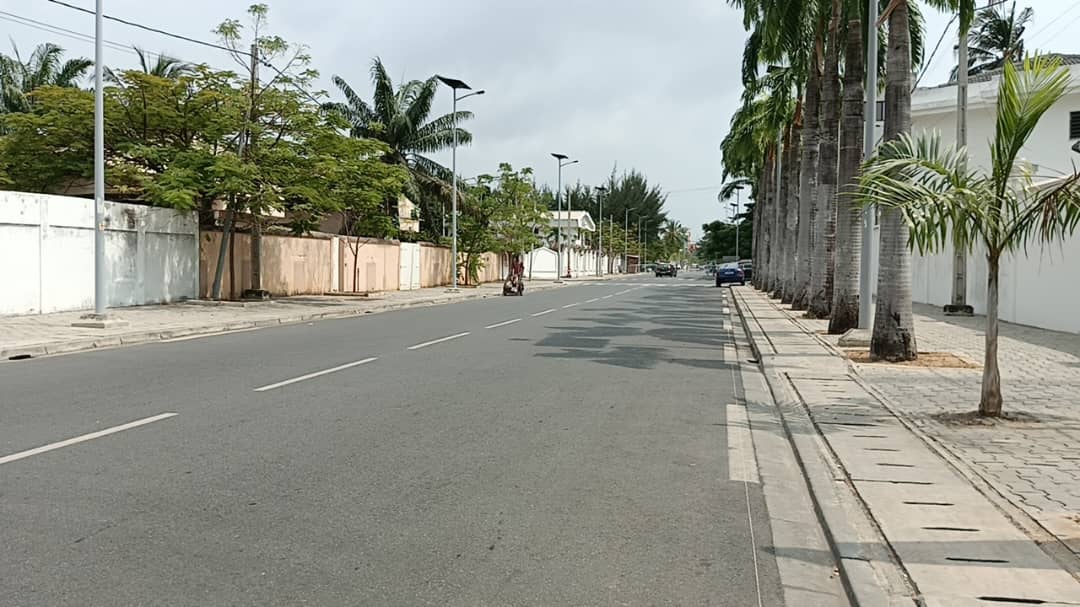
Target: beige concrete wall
[(378, 262), (290, 265), (494, 269), (435, 268)]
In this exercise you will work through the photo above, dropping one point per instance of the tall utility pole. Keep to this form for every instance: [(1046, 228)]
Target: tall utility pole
[(626, 241), (959, 283), (600, 247), (230, 210), (866, 267), (99, 164), (256, 290), (454, 85), (559, 158), (645, 246)]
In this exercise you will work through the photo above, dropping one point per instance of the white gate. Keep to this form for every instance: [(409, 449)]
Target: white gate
[(409, 277)]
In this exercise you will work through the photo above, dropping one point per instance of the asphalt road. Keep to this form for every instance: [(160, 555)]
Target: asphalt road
[(569, 447)]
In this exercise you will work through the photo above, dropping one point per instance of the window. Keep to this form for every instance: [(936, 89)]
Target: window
[(1074, 125), (879, 114)]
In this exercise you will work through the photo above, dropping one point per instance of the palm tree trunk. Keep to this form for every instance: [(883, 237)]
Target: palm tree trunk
[(775, 236), (821, 277), (845, 308), (759, 233), (791, 221), (782, 248), (808, 163), (894, 329), (766, 203), (990, 400)]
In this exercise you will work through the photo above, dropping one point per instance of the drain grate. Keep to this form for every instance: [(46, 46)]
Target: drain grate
[(918, 503), (860, 424), (20, 357), (968, 559), (1013, 600), (869, 436), (881, 449), (885, 480), (896, 465), (963, 529)]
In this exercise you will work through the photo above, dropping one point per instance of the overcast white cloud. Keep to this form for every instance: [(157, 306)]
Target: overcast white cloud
[(645, 84)]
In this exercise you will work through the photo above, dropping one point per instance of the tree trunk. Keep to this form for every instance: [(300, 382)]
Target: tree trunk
[(256, 252), (821, 277), (775, 235), (990, 400), (808, 166), (845, 308), (791, 211), (766, 222), (757, 253), (894, 329), (781, 220)]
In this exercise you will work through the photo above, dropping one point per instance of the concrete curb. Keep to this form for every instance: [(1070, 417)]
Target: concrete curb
[(142, 337), (1045, 539), (829, 487)]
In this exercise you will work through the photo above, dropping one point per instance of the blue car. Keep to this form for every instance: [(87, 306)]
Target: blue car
[(730, 274)]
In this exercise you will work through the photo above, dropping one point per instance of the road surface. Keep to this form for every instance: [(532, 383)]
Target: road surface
[(570, 447)]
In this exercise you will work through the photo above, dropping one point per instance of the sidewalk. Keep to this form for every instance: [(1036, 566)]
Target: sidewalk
[(44, 334), (964, 507)]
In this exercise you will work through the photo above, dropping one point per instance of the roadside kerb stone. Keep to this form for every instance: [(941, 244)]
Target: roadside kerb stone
[(867, 566), (952, 542)]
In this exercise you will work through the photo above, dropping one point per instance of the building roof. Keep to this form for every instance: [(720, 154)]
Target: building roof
[(988, 75), (574, 219)]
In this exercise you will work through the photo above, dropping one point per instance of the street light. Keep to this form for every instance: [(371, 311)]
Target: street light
[(641, 261), (560, 158), (600, 247), (455, 85), (626, 240), (645, 249)]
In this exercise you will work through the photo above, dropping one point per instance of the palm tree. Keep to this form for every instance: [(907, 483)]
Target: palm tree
[(1001, 210), (45, 67), (164, 67), (825, 208), (845, 303), (997, 37), (401, 119)]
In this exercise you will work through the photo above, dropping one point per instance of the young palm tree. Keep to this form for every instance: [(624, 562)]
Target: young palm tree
[(45, 67), (1001, 210), (401, 119), (997, 37), (163, 67), (845, 304)]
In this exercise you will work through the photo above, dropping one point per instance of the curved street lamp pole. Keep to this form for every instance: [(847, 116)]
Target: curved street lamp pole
[(454, 85), (560, 158), (600, 247)]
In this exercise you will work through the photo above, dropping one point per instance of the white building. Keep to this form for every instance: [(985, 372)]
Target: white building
[(577, 248), (1038, 287)]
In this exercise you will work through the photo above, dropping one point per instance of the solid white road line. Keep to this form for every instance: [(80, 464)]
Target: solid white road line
[(317, 374), (624, 292), (548, 311), (85, 437), (594, 299), (438, 341), (607, 297), (503, 324), (570, 305)]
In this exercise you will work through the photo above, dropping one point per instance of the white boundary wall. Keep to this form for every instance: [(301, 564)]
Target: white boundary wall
[(47, 254)]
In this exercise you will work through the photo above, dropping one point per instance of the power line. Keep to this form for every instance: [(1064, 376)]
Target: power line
[(154, 29), (221, 47), (55, 29)]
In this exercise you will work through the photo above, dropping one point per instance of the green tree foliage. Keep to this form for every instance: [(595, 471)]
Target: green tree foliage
[(1002, 210), (50, 147), (718, 241), (401, 118), (44, 67)]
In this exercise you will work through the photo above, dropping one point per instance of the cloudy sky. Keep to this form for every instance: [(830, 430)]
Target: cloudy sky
[(644, 84)]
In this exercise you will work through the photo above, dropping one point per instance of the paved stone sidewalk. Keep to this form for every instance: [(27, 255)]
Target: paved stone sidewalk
[(954, 544), (43, 334), (1034, 460)]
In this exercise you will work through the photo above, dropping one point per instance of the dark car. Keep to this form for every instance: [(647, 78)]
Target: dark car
[(730, 274), (666, 269)]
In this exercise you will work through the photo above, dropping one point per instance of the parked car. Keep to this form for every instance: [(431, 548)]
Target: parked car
[(666, 269), (730, 273), (747, 266)]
